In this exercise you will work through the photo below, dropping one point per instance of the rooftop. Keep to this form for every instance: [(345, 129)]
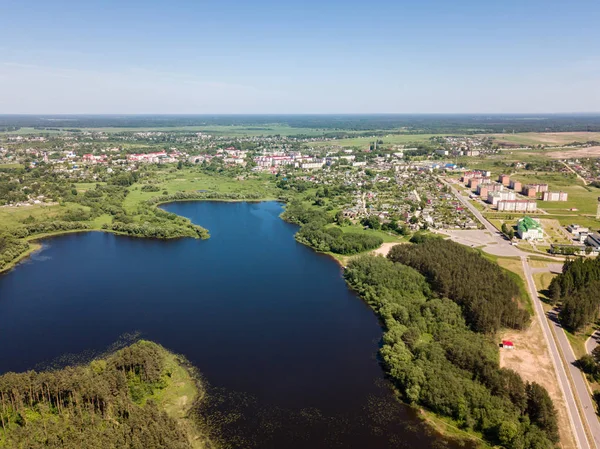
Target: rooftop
[(528, 223)]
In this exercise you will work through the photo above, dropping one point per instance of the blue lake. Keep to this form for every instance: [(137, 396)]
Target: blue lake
[(288, 352)]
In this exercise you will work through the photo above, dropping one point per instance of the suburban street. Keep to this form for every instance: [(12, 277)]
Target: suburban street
[(564, 369)]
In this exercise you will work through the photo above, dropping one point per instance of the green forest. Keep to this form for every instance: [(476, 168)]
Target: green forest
[(114, 402), (489, 297), (315, 233), (577, 289), (436, 352)]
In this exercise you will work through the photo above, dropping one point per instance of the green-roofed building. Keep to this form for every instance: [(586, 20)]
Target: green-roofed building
[(529, 229)]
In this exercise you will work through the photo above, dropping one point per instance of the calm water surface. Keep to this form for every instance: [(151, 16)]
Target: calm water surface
[(288, 351)]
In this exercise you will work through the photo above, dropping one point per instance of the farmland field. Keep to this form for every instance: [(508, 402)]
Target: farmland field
[(555, 139)]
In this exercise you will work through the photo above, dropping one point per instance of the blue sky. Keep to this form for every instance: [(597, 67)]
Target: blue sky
[(265, 56)]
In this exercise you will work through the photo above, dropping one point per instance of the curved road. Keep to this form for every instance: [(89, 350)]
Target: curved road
[(592, 342), (571, 380)]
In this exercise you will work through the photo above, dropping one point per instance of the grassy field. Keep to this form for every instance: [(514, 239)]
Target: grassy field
[(390, 139), (11, 217), (545, 138), (191, 180)]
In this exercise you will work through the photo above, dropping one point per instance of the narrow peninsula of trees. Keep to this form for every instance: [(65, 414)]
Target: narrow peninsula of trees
[(315, 232), (111, 403), (438, 361)]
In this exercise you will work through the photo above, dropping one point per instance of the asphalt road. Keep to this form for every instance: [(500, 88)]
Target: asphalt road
[(563, 369), (592, 342)]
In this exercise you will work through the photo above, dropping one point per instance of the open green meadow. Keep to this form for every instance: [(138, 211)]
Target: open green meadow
[(11, 217), (390, 139), (387, 237), (191, 180)]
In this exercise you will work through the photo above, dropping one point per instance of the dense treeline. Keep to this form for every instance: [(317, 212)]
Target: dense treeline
[(315, 233), (106, 404), (183, 196), (45, 227), (335, 240), (295, 212), (437, 361), (487, 295), (10, 249), (577, 287), (590, 364), (162, 231)]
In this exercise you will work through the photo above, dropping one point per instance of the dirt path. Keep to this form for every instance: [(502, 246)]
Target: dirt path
[(576, 174), (384, 249)]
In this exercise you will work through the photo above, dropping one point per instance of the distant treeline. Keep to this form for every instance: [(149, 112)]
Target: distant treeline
[(437, 361), (488, 296), (420, 123), (577, 287), (106, 404), (315, 233)]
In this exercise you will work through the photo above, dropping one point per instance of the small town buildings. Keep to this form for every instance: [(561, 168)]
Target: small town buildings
[(93, 159), (474, 182), (475, 174), (160, 156), (593, 240), (312, 165), (578, 232), (529, 229), (504, 180), (554, 196), (501, 195), (515, 185), (484, 189), (517, 206), (529, 191)]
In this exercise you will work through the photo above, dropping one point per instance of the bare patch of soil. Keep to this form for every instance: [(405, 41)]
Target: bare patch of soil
[(531, 359)]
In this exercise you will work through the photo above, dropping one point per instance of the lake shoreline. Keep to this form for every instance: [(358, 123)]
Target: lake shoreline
[(35, 240)]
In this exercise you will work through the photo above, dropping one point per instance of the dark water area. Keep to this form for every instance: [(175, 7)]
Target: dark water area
[(288, 352)]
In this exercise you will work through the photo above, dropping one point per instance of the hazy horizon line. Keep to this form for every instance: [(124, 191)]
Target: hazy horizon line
[(175, 114)]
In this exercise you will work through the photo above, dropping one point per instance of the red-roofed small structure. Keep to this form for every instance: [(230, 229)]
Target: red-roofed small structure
[(507, 344)]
